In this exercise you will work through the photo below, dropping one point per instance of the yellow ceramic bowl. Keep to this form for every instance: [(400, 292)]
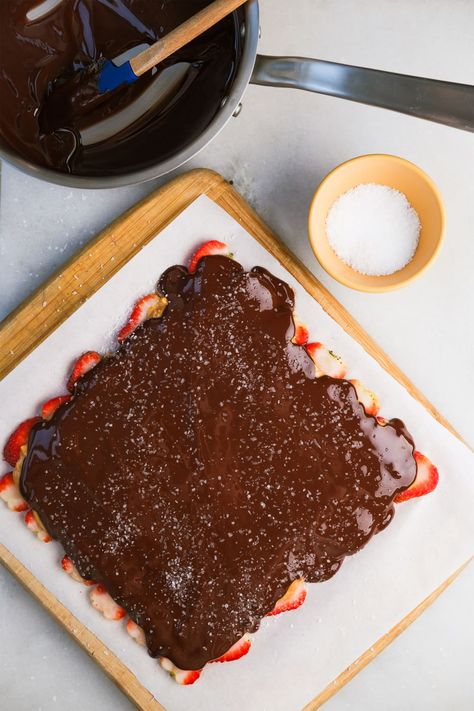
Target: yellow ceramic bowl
[(397, 173)]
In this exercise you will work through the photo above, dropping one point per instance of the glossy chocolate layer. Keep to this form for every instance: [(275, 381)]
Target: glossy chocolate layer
[(35, 54), (203, 467)]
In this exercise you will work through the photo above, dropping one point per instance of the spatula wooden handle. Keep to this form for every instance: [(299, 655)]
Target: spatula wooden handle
[(182, 35)]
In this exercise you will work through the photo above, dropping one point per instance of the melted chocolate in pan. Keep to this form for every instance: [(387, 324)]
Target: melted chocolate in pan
[(202, 467), (35, 54)]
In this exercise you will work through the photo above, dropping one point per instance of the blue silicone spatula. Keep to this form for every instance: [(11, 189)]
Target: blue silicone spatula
[(110, 76), (78, 95)]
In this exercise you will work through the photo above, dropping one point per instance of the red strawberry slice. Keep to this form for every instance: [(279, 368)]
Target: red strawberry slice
[(206, 250), (187, 678), (17, 440), (293, 599), (105, 604), (69, 568), (150, 306), (239, 649), (33, 525), (366, 397), (136, 633), (10, 493), (67, 565), (181, 676), (86, 362), (301, 332), (50, 407), (326, 362), (427, 478)]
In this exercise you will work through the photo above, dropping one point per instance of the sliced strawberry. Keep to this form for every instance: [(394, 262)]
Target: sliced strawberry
[(366, 397), (183, 677), (206, 250), (103, 602), (186, 678), (136, 632), (301, 332), (10, 493), (32, 523), (69, 568), (50, 407), (326, 362), (86, 362), (381, 420), (151, 306), (239, 649), (427, 478), (295, 596), (17, 440)]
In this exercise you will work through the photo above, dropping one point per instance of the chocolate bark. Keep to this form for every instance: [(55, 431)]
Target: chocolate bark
[(203, 466)]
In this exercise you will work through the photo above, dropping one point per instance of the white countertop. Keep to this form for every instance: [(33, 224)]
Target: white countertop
[(276, 153)]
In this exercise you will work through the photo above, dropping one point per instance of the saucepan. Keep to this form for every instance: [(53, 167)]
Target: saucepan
[(443, 102)]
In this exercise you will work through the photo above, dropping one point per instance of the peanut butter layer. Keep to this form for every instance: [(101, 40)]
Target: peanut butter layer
[(202, 467)]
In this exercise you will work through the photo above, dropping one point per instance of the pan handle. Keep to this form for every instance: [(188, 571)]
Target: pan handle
[(440, 101)]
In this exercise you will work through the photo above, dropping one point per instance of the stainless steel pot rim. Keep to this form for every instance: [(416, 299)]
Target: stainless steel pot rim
[(241, 81)]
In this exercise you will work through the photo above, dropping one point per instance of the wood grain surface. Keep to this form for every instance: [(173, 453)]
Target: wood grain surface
[(81, 277)]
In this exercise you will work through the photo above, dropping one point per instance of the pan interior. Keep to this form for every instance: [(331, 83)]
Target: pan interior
[(158, 117)]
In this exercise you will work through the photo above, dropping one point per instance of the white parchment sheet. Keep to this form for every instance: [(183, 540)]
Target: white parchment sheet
[(293, 656)]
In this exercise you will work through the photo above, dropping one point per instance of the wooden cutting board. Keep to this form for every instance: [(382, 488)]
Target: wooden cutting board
[(100, 259)]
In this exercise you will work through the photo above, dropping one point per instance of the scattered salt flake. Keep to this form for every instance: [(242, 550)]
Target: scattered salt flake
[(373, 229)]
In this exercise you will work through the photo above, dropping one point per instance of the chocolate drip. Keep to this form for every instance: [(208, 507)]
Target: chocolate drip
[(34, 55), (202, 467)]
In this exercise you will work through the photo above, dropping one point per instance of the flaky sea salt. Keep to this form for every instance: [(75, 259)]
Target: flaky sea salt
[(374, 229)]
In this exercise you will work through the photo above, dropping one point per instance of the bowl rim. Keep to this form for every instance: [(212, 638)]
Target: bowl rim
[(379, 288)]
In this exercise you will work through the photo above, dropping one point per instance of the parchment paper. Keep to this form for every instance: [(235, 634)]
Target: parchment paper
[(296, 655)]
